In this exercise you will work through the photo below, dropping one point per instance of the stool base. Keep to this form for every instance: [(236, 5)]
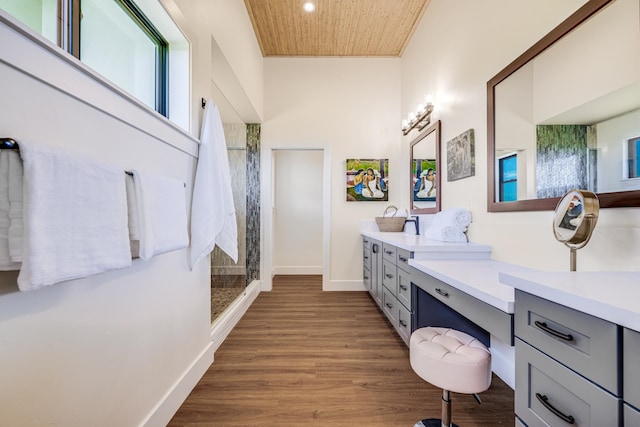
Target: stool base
[(432, 422)]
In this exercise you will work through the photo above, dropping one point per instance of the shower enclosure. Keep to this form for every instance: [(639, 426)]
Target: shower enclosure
[(229, 279)]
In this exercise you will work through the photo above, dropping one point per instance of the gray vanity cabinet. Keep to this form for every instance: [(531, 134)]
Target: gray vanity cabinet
[(567, 366), (631, 375), (396, 281), (372, 268)]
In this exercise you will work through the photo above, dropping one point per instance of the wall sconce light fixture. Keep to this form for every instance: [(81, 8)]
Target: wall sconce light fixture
[(418, 120)]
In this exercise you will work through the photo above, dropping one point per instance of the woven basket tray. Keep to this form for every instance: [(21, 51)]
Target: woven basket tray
[(390, 223)]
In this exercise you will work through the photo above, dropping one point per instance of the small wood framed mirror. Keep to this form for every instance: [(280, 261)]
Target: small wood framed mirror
[(424, 153)]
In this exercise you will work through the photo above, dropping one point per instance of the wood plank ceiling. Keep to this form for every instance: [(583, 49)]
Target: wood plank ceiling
[(370, 28)]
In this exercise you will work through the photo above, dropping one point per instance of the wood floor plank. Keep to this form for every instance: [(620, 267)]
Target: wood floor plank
[(301, 356)]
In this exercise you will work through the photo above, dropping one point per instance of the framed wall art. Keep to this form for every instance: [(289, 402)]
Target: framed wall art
[(461, 160), (367, 180)]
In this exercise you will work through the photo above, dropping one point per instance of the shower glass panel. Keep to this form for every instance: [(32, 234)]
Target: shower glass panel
[(228, 279)]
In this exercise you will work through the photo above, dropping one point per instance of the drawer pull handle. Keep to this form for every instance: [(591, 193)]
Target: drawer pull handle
[(366, 257), (403, 259), (389, 305), (443, 293), (403, 287), (366, 277), (375, 248), (389, 276), (545, 402), (544, 327), (403, 323)]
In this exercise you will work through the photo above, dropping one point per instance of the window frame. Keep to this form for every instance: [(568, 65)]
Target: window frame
[(70, 28)]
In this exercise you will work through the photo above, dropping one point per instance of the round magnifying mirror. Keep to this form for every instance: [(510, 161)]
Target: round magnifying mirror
[(574, 220)]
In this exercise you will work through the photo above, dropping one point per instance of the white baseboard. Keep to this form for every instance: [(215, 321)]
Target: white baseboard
[(175, 397), (343, 285), (225, 323), (293, 270)]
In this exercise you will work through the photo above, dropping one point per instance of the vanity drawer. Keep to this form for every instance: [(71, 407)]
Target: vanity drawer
[(404, 323), (390, 306), (403, 259), (585, 343), (631, 416), (547, 391), (366, 257), (631, 374), (497, 322), (403, 292), (389, 252), (366, 242), (366, 278), (390, 276)]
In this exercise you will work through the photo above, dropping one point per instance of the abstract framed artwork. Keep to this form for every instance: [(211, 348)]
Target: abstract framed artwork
[(461, 160)]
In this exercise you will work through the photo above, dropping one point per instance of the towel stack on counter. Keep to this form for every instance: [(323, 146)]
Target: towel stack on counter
[(64, 216), (449, 225)]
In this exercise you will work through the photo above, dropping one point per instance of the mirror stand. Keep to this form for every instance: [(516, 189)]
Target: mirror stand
[(574, 221)]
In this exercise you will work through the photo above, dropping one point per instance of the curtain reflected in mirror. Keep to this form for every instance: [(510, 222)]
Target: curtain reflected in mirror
[(425, 171)]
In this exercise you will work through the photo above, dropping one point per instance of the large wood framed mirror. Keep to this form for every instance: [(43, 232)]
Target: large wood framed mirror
[(424, 152), (565, 115)]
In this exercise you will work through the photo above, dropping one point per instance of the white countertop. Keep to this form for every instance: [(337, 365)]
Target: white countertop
[(432, 249), (478, 278), (609, 295)]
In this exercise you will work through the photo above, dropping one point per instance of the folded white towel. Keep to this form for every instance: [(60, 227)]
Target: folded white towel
[(16, 207), (445, 233), (213, 215), (5, 257), (162, 214), (75, 217), (134, 216), (455, 217), (7, 181)]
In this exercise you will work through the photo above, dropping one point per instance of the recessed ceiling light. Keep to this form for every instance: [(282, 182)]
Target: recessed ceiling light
[(309, 6)]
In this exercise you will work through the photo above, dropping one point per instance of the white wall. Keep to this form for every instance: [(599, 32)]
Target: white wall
[(464, 51), (297, 212), (350, 106), (110, 349), (125, 347)]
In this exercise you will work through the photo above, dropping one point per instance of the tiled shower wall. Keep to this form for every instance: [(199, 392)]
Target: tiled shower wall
[(561, 159), (253, 202), (243, 150)]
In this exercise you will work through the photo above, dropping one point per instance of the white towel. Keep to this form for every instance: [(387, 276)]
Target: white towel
[(445, 233), (213, 215), (16, 211), (10, 215), (75, 217), (133, 216), (459, 218), (162, 214)]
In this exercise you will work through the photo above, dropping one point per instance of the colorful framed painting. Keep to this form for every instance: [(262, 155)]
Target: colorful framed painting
[(367, 180)]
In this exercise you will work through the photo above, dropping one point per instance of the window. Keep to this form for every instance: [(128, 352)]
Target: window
[(119, 42), (633, 157), (40, 15), (114, 38), (508, 178)]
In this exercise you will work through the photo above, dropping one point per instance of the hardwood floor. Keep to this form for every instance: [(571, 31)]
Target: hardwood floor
[(301, 356)]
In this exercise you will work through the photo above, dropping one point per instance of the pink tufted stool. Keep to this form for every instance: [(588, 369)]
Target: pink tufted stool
[(451, 360)]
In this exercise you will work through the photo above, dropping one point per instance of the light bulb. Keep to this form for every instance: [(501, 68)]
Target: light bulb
[(309, 6)]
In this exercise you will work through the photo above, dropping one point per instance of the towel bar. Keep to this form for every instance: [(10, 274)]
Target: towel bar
[(11, 143)]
